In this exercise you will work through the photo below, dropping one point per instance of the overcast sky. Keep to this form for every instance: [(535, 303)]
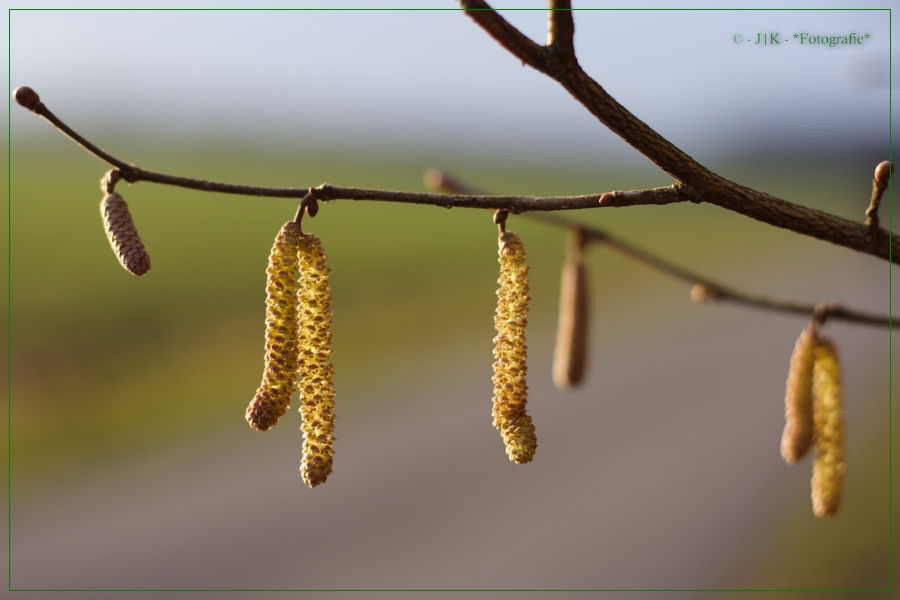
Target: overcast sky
[(433, 78)]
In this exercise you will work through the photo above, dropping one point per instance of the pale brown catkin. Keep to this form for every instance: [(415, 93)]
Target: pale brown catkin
[(282, 349), (510, 389), (316, 369), (570, 353), (798, 398), (828, 466), (123, 235)]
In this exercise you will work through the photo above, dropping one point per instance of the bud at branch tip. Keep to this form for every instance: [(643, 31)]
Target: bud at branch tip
[(883, 171), (26, 97)]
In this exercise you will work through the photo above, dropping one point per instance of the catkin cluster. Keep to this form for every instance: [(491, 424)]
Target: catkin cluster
[(298, 345), (510, 390), (570, 354), (316, 370), (814, 417), (282, 349), (123, 235)]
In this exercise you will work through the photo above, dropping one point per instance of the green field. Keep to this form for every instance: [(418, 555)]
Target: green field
[(103, 362)]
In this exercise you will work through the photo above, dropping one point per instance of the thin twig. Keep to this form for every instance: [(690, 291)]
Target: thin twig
[(701, 184), (883, 173), (710, 290), (515, 204)]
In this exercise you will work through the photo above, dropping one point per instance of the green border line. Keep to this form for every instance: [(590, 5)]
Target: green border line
[(9, 310)]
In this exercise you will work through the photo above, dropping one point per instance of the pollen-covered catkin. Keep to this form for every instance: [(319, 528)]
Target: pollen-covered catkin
[(828, 466), (570, 354), (316, 370), (798, 398), (123, 235), (510, 391), (282, 348)]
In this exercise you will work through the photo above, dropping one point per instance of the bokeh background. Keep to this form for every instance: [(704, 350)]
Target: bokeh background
[(131, 466)]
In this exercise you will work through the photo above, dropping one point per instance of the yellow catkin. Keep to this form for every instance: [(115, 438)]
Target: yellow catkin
[(570, 354), (798, 400), (123, 235), (510, 391), (828, 466), (282, 348), (316, 370)]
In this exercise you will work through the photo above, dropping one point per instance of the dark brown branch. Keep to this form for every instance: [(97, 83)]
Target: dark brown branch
[(561, 32), (702, 185), (509, 37), (704, 288), (777, 212)]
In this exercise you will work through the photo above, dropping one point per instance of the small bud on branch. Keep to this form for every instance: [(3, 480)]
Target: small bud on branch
[(26, 97), (883, 172)]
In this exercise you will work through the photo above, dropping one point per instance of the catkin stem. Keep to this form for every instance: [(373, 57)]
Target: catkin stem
[(316, 369), (280, 372), (510, 390)]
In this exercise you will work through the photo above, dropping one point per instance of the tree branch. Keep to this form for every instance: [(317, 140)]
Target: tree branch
[(561, 32), (704, 288), (701, 184), (509, 37), (515, 204)]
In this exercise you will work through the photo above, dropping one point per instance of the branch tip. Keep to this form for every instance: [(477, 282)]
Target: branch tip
[(26, 97), (883, 172)]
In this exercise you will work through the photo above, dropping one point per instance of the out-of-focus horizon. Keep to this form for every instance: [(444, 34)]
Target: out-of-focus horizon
[(411, 79)]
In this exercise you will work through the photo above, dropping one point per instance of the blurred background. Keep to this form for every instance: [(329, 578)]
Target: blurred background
[(131, 465)]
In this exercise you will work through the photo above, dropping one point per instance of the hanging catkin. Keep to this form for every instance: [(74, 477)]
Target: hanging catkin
[(280, 373), (570, 354), (123, 235), (828, 466), (510, 391), (798, 398), (316, 370)]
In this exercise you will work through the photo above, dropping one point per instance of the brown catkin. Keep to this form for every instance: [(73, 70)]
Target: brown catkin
[(570, 354), (798, 398), (510, 390), (282, 348), (828, 466), (123, 235), (316, 369)]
